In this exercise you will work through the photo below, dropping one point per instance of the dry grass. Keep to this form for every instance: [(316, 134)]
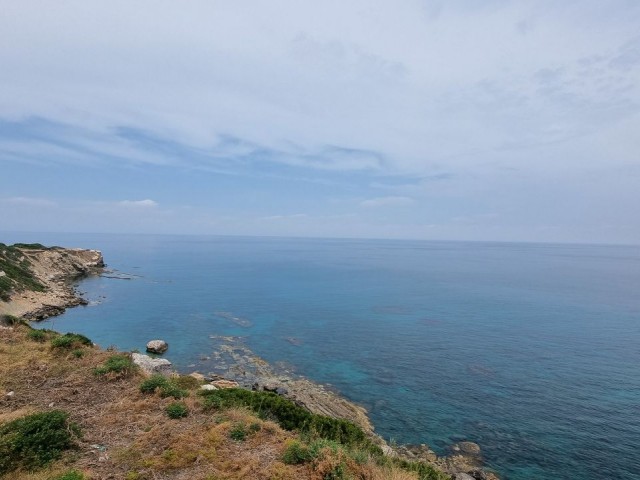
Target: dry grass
[(127, 434)]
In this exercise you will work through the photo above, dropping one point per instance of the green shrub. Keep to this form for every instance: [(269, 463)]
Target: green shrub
[(10, 320), (289, 415), (69, 341), (177, 410), (238, 432), (166, 386), (153, 382), (78, 353), (187, 383), (70, 475), (296, 453), (36, 335), (33, 441), (116, 366)]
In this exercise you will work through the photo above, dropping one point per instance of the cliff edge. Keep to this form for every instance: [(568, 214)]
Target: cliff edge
[(36, 281)]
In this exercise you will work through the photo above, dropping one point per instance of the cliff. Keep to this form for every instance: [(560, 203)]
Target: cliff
[(36, 281)]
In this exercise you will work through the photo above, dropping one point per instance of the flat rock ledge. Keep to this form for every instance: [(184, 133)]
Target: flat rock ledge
[(152, 366)]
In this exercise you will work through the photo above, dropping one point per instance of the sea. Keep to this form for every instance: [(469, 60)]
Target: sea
[(530, 350)]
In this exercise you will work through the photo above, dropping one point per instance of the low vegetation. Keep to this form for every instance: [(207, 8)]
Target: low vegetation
[(176, 410), (68, 341), (17, 273), (166, 387), (117, 366), (139, 428), (35, 440)]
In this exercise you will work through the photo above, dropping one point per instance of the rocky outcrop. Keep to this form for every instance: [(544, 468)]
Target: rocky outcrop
[(157, 346), (152, 366), (55, 269)]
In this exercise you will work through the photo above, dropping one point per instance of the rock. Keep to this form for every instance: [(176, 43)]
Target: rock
[(225, 384), (387, 450), (197, 376), (11, 394), (152, 365), (282, 391), (269, 387), (157, 346), (2, 274), (467, 448), (462, 476), (478, 474), (208, 387)]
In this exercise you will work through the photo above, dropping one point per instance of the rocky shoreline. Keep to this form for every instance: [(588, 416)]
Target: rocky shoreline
[(56, 269), (231, 360), (231, 363)]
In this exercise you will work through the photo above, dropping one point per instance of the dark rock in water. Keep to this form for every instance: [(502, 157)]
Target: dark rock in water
[(157, 346), (462, 476), (478, 474), (467, 449)]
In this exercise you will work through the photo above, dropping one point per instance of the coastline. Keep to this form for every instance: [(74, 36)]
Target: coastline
[(56, 269), (59, 268)]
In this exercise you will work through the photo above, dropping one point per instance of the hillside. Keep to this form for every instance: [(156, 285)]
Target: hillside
[(125, 430), (36, 281)]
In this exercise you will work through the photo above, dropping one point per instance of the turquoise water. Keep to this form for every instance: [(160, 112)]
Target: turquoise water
[(530, 350)]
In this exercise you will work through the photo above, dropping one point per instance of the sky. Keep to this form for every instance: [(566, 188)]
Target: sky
[(463, 120)]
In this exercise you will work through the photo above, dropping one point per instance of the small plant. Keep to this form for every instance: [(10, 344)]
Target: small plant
[(70, 475), (34, 441), (69, 341), (78, 353), (37, 335), (296, 453), (166, 386), (187, 382), (10, 320), (119, 365), (238, 432), (177, 410)]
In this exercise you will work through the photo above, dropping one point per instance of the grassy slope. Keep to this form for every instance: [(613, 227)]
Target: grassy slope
[(127, 433), (16, 268)]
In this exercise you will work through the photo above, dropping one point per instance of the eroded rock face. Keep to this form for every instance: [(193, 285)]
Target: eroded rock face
[(54, 269), (152, 366), (157, 346)]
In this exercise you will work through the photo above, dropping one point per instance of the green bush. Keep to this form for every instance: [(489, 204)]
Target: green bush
[(289, 415), (36, 335), (10, 320), (238, 432), (33, 441), (186, 382), (70, 475), (296, 453), (78, 353), (177, 410), (116, 366), (69, 341), (166, 386)]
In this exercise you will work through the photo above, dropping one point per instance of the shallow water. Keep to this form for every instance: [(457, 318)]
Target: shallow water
[(530, 350)]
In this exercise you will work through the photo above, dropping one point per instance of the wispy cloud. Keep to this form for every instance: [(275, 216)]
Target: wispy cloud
[(392, 201), (29, 202), (147, 203)]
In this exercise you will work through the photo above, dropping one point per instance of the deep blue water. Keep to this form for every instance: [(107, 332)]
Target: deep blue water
[(530, 350)]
